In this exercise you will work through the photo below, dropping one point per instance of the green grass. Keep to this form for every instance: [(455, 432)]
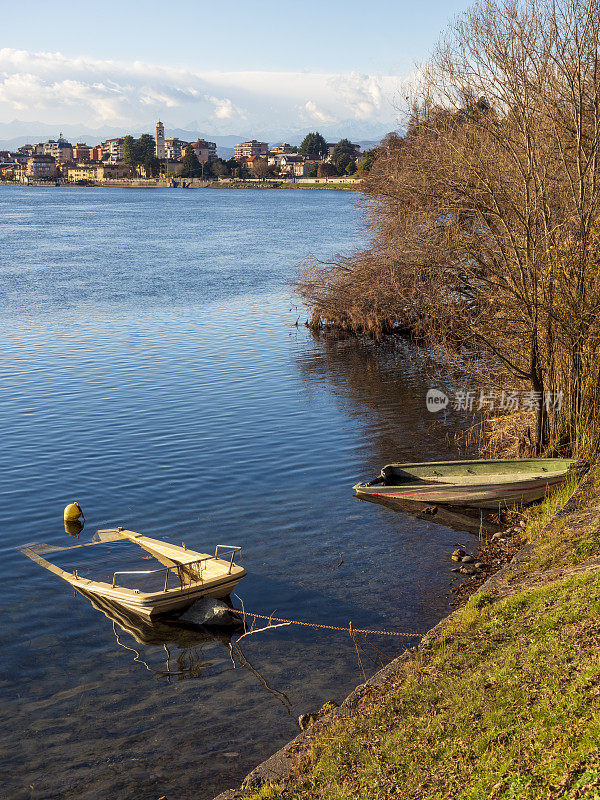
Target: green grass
[(558, 543), (350, 187), (268, 791), (505, 706)]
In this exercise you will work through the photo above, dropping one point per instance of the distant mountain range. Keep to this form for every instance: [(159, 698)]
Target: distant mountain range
[(16, 133)]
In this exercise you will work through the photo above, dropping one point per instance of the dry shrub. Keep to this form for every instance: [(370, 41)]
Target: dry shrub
[(483, 217), (503, 436)]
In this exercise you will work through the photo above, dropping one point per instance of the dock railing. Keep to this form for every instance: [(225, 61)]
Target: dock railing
[(229, 547), (188, 573)]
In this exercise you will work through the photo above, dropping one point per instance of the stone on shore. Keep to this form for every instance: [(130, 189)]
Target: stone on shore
[(304, 720)]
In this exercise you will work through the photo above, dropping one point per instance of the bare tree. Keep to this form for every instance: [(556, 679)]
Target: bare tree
[(261, 169), (484, 216)]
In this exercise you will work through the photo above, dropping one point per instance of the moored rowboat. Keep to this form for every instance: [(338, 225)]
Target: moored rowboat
[(478, 484)]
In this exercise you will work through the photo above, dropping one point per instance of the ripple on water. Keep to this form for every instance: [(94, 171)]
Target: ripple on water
[(151, 369)]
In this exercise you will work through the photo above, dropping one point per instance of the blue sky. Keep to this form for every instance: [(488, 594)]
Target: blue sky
[(378, 35), (285, 66)]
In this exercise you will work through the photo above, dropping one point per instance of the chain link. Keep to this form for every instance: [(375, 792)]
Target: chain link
[(350, 629)]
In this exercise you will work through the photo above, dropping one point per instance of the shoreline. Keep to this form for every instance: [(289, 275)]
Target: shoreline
[(318, 184), (286, 761), (515, 576)]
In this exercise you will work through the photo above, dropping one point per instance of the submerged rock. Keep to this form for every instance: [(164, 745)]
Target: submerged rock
[(211, 612)]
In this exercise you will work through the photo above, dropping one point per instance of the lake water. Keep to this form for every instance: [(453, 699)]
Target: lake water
[(151, 369)]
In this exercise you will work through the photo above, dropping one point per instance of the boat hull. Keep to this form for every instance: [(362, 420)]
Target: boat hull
[(149, 607), (489, 484)]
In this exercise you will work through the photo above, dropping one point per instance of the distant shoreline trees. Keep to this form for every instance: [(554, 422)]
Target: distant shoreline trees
[(191, 167), (314, 146), (140, 153)]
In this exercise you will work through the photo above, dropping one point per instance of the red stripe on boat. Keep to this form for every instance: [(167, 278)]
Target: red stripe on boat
[(455, 488)]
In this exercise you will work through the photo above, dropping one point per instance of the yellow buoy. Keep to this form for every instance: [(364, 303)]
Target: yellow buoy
[(72, 511)]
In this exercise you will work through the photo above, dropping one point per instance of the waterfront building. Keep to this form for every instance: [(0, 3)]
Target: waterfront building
[(37, 168), (282, 149), (159, 148), (81, 152), (96, 153), (295, 165), (97, 172), (113, 171), (251, 161), (8, 169), (10, 163), (206, 152), (114, 147), (174, 148), (251, 148), (82, 172), (304, 169), (60, 150)]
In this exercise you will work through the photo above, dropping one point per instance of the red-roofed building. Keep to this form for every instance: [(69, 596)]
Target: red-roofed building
[(206, 152)]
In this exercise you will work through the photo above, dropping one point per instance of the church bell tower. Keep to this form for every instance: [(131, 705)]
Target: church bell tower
[(160, 140)]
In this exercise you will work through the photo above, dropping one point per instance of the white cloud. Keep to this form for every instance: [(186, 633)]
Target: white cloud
[(314, 112), (224, 108), (59, 89)]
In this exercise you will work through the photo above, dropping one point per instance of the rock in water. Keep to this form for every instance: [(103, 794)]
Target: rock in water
[(467, 559), (211, 612)]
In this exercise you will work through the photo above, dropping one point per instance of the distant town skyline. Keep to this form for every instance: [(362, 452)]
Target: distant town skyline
[(346, 65)]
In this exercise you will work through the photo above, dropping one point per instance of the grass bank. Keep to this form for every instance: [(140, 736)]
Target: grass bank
[(344, 187), (503, 704)]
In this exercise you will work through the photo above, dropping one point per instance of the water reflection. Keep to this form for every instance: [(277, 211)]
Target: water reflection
[(475, 521), (202, 415), (74, 527), (384, 386), (185, 637)]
